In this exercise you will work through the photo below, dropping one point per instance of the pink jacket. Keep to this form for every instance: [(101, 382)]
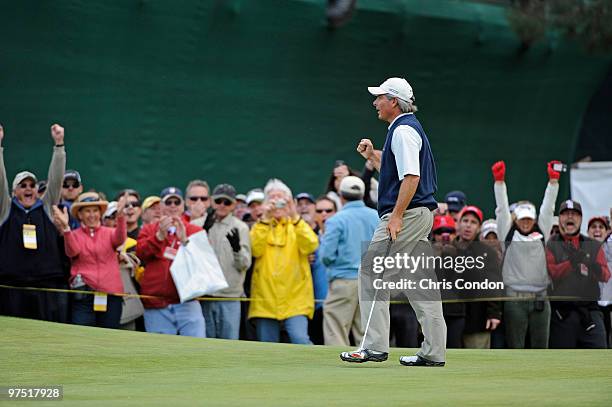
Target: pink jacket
[(94, 257)]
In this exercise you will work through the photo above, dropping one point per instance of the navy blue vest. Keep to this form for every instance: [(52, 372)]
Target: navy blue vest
[(19, 265), (389, 182)]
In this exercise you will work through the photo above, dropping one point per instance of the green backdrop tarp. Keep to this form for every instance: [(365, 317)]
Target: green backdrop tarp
[(154, 93)]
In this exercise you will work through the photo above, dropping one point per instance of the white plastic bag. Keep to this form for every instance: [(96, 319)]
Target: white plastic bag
[(196, 270)]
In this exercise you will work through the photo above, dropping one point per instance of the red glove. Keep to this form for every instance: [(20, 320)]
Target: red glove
[(499, 171), (552, 174)]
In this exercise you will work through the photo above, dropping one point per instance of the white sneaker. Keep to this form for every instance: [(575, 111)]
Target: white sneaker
[(419, 361)]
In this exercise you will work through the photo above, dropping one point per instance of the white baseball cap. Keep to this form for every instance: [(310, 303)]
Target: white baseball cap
[(488, 226), (255, 195), (525, 210), (352, 185), (23, 175), (110, 210), (397, 87)]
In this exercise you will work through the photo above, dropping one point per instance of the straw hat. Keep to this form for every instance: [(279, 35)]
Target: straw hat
[(88, 199)]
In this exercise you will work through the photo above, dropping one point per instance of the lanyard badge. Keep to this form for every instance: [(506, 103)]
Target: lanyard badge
[(29, 237)]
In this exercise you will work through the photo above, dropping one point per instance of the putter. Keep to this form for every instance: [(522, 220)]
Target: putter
[(382, 275)]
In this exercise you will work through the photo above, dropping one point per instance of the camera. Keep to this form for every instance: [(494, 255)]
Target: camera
[(281, 203), (560, 167)]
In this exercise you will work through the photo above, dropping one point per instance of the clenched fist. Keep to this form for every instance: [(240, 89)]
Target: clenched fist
[(365, 148), (499, 171), (552, 174), (57, 132)]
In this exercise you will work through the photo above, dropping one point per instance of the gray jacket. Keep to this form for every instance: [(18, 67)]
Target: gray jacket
[(524, 267), (234, 265)]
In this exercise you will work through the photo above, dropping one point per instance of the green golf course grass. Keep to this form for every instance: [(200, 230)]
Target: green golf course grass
[(109, 367)]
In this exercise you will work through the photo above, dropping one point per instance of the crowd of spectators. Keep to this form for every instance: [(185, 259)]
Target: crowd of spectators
[(291, 261)]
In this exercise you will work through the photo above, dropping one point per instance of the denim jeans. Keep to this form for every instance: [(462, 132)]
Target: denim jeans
[(268, 330), (84, 314), (184, 319), (222, 319)]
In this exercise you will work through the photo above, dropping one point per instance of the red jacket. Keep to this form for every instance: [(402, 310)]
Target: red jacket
[(157, 280), (94, 257)]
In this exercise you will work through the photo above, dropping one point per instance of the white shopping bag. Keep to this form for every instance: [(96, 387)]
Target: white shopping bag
[(196, 270)]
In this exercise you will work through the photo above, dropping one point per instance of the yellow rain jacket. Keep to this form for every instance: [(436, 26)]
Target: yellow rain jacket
[(281, 286)]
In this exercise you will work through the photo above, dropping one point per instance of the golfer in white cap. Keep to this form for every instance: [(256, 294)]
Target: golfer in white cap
[(407, 183)]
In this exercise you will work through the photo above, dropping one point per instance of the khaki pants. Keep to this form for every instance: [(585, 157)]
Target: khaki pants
[(416, 226), (341, 313)]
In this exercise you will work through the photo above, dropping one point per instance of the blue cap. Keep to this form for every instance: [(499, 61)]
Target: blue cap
[(305, 195), (72, 174), (170, 192), (455, 200)]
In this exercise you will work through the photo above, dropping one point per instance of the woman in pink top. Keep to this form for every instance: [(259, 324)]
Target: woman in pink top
[(92, 251)]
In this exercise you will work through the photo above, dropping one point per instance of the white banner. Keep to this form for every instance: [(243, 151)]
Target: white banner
[(591, 185)]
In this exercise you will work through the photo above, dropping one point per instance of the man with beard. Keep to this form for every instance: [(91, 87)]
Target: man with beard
[(576, 265)]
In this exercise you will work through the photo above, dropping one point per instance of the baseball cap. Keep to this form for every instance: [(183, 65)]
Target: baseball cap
[(72, 174), (396, 87), (570, 205), (241, 197), (473, 210), (23, 175), (305, 195), (525, 210), (488, 226), (170, 192), (601, 219), (352, 185), (150, 201), (443, 222), (455, 200), (41, 185), (255, 195), (110, 210), (224, 191)]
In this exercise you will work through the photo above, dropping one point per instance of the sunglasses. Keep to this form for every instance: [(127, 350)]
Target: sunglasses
[(25, 185), (223, 201), (173, 202), (133, 204), (198, 198), (74, 184), (324, 210)]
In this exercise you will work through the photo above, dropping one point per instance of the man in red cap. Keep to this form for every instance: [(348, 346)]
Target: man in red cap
[(444, 228), (481, 317)]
